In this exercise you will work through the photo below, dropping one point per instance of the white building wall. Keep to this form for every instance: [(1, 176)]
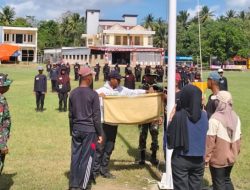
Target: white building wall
[(130, 21), (92, 21)]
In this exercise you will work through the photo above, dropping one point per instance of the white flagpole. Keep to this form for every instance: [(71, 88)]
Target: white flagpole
[(167, 180)]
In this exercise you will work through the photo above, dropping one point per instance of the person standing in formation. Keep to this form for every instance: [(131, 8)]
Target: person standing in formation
[(223, 80), (5, 120), (63, 88), (97, 71), (53, 76), (40, 89), (85, 130), (138, 71), (129, 81), (76, 71), (106, 71)]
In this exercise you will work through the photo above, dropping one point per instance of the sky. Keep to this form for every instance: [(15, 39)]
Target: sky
[(114, 9)]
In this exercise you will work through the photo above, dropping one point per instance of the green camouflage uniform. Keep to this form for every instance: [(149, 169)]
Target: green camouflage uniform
[(153, 128), (5, 125)]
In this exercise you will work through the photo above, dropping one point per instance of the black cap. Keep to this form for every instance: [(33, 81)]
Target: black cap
[(115, 75)]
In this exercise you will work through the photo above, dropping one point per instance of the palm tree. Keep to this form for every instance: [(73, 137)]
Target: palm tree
[(242, 15), (206, 14), (149, 22), (160, 37), (7, 15), (182, 18), (230, 14)]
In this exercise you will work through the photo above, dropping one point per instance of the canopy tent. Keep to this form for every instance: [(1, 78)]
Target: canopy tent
[(7, 51)]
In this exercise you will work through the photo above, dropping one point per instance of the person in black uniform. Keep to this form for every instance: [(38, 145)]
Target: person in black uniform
[(68, 68), (48, 68), (53, 76), (63, 88), (85, 130), (97, 71), (138, 71), (106, 71), (117, 68), (126, 68), (129, 81), (223, 81), (40, 88), (76, 71)]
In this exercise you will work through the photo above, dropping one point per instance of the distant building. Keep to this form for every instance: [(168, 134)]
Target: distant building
[(24, 37), (69, 55), (120, 41)]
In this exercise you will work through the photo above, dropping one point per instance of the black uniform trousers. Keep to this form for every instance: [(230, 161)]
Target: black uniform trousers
[(97, 76), (221, 178), (104, 150), (63, 100), (40, 100), (138, 78), (2, 158), (83, 148), (53, 85), (187, 172), (76, 76)]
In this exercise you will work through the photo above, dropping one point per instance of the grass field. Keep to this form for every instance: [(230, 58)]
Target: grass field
[(40, 143)]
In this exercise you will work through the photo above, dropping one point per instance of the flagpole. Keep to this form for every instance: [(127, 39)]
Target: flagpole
[(167, 180)]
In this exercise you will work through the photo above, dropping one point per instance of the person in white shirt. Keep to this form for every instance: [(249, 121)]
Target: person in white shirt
[(111, 88)]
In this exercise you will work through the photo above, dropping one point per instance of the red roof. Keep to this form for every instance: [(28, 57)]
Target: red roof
[(239, 58), (6, 51), (123, 49)]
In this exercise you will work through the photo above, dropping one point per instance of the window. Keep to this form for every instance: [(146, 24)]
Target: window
[(30, 38), (86, 57), (137, 40), (19, 38), (13, 37), (150, 40), (66, 56), (102, 56), (74, 57), (24, 37), (96, 56), (107, 40), (63, 56), (118, 40), (81, 57), (70, 56), (90, 41), (6, 37), (78, 57), (125, 40)]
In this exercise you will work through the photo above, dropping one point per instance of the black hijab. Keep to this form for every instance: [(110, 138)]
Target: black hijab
[(190, 107)]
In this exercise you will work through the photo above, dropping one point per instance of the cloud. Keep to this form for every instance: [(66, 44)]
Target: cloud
[(194, 12), (52, 9), (238, 3)]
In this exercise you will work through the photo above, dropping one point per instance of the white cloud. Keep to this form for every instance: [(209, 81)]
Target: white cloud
[(194, 12), (238, 3), (52, 9)]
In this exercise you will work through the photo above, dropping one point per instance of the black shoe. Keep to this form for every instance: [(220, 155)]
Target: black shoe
[(108, 175), (142, 162), (154, 161)]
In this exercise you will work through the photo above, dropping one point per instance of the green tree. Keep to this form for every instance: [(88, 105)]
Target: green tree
[(182, 18), (160, 39), (230, 14), (48, 35), (21, 22), (206, 14), (149, 22), (7, 16)]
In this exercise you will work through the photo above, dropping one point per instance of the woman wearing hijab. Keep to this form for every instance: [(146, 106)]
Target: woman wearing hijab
[(186, 135), (223, 142), (63, 88)]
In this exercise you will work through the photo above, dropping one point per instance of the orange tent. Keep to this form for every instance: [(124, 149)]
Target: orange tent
[(7, 50)]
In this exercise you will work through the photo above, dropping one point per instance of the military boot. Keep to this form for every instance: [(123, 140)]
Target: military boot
[(143, 155), (153, 158)]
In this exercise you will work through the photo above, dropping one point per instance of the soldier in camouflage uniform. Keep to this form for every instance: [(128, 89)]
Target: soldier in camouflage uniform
[(153, 127), (5, 122)]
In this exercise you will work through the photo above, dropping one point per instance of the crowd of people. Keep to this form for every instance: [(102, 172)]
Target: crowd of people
[(200, 134)]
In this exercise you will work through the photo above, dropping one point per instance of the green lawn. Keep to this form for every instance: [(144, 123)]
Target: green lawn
[(40, 143)]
